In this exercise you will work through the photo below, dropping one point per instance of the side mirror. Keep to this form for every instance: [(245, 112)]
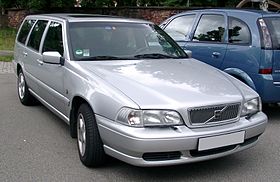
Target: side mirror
[(189, 53), (52, 57)]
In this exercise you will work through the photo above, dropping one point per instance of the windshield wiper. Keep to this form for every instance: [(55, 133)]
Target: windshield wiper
[(155, 56), (104, 58)]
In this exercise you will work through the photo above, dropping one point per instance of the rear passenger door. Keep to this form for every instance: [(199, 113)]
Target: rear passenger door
[(240, 52), (32, 53), (208, 39)]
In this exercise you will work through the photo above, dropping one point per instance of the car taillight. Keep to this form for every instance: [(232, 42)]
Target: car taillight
[(267, 43), (265, 71)]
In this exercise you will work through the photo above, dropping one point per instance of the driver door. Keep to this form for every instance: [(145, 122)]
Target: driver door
[(52, 75)]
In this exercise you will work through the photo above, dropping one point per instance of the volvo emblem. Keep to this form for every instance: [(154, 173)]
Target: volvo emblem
[(217, 114)]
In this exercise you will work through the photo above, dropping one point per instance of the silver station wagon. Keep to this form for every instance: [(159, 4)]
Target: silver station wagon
[(127, 90)]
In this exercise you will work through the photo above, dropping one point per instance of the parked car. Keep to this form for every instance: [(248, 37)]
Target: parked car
[(243, 43), (129, 91)]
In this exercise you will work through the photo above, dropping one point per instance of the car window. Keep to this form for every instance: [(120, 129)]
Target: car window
[(210, 28), (53, 40), (180, 27), (238, 32), (27, 25), (36, 34)]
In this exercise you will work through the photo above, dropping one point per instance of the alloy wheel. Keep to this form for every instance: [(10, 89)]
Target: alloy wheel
[(21, 86), (81, 131)]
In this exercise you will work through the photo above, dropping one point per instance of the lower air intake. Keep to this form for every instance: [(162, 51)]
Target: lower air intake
[(161, 156)]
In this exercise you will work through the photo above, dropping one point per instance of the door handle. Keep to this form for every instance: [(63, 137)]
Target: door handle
[(40, 62), (216, 54), (24, 54)]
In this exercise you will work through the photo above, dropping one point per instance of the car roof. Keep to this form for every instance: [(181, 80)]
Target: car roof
[(236, 10), (70, 17)]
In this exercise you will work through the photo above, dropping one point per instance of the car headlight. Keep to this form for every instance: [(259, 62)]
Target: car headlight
[(251, 107), (141, 118)]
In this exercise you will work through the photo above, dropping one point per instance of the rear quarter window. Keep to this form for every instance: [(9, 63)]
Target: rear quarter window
[(239, 32), (24, 31)]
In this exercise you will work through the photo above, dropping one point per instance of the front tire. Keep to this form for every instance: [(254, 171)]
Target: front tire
[(24, 95), (89, 143)]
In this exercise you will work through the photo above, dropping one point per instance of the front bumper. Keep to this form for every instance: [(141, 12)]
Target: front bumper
[(131, 144)]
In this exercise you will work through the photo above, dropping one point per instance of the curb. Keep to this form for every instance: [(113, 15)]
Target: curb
[(6, 53)]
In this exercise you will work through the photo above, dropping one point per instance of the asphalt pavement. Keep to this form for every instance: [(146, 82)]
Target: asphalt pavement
[(35, 145), (6, 67)]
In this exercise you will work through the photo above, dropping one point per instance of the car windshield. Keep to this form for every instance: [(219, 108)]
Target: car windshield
[(121, 41)]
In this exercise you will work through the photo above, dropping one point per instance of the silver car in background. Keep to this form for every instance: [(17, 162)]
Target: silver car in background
[(129, 91)]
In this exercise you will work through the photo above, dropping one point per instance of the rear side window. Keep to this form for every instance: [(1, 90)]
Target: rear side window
[(239, 32), (180, 27), (211, 28), (36, 34), (53, 40), (27, 25)]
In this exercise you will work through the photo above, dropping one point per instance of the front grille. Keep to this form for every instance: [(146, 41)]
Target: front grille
[(213, 114), (161, 156)]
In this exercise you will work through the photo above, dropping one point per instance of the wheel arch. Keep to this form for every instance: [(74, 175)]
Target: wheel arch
[(75, 104), (241, 75), (19, 67)]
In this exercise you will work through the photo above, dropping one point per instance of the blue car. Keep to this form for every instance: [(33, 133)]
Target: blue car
[(243, 43)]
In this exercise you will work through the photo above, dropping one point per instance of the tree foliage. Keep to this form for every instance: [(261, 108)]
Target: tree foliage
[(36, 4), (45, 4)]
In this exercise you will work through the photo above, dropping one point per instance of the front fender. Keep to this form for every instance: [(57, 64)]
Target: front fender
[(104, 99)]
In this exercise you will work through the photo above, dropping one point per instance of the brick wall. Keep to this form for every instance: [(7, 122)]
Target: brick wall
[(15, 17), (154, 14)]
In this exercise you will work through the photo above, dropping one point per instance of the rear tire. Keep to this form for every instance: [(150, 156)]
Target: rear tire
[(24, 95), (90, 145)]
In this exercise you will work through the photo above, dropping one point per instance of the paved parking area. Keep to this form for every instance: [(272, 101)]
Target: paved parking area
[(35, 146)]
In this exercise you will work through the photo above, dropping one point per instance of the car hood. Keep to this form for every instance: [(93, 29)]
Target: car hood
[(167, 83)]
